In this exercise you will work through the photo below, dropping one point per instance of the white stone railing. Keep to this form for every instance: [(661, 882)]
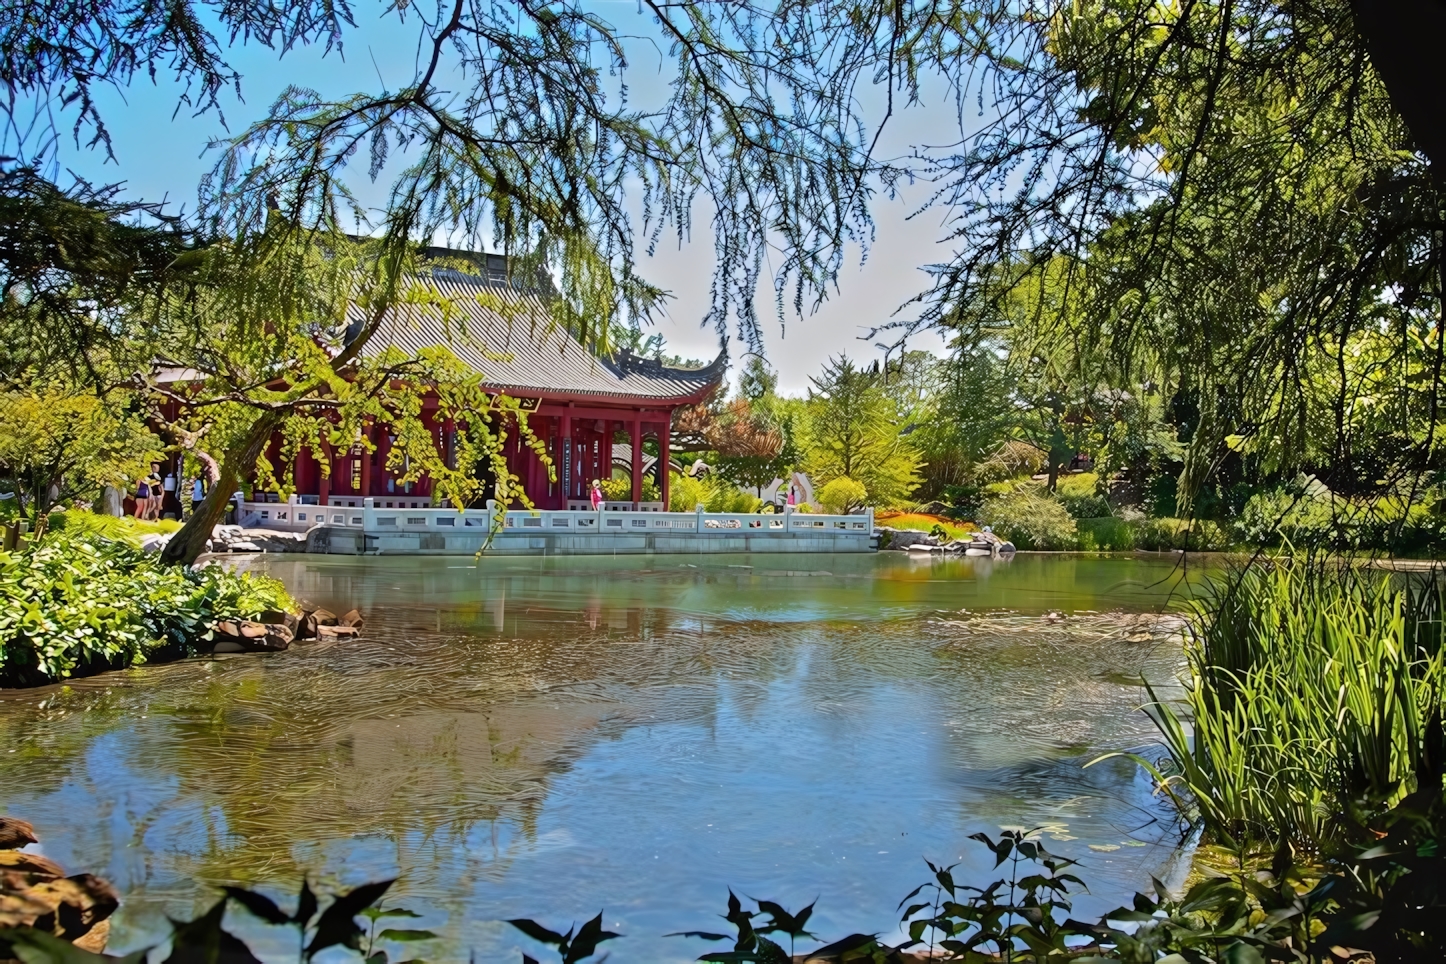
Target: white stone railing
[(383, 515), (295, 515), (585, 505)]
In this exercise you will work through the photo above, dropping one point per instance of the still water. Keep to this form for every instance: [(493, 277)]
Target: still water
[(551, 738)]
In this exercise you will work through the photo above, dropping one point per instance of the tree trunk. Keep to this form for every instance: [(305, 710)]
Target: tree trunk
[(1403, 38), (112, 502), (1059, 454), (190, 541)]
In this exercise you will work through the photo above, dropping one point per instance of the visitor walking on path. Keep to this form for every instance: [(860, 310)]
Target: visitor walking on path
[(596, 495)]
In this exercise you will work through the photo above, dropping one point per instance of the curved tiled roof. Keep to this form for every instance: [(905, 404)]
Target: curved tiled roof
[(505, 336)]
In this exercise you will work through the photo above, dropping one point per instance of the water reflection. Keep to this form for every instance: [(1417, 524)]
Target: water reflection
[(548, 737)]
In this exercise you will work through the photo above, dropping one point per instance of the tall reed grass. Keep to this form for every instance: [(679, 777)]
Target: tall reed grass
[(1314, 703)]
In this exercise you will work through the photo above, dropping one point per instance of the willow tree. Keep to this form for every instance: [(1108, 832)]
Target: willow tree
[(511, 134), (256, 360)]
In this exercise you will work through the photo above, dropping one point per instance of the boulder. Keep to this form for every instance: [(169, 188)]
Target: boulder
[(904, 538), (75, 909), (241, 629), (34, 892), (250, 636), (16, 833), (313, 620), (232, 538), (155, 541), (276, 616), (353, 618), (36, 864), (336, 632)]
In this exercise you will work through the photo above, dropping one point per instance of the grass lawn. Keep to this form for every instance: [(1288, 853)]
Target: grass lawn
[(123, 529)]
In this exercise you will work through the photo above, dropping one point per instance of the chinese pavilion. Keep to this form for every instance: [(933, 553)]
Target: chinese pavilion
[(576, 401)]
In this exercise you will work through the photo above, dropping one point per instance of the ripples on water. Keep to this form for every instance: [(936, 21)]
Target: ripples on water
[(553, 738)]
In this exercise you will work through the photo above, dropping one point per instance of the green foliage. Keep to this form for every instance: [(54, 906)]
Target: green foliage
[(114, 528), (842, 495), (754, 439), (1387, 901), (1031, 519), (685, 493), (723, 496), (1080, 496), (71, 443), (852, 432), (1315, 704), (77, 266), (571, 947), (621, 489), (712, 493), (1192, 535), (1107, 534), (73, 606)]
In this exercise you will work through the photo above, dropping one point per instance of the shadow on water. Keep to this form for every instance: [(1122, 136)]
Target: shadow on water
[(521, 737)]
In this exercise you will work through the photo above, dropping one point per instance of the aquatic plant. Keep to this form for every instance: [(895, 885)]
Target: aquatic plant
[(1389, 902), (72, 606), (1314, 704), (571, 947)]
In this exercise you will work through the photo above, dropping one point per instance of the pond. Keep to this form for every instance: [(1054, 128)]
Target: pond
[(553, 737)]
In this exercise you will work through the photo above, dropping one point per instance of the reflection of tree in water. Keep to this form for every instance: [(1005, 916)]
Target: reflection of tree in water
[(428, 747), (430, 741)]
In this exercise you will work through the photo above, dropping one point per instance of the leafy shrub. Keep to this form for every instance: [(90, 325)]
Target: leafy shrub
[(685, 493), (1107, 534), (1080, 496), (1031, 519), (1011, 459), (1194, 535), (964, 500), (125, 529), (842, 495), (74, 606), (1303, 519), (726, 498), (1384, 902), (621, 490), (1307, 515)]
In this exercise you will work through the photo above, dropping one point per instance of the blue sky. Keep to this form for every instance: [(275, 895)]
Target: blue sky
[(159, 155)]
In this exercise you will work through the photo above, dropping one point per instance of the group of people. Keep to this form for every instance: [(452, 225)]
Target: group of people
[(156, 498)]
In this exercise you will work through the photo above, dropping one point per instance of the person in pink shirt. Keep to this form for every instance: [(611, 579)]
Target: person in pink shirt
[(596, 495)]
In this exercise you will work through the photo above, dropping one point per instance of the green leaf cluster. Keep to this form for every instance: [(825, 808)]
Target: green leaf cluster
[(72, 606)]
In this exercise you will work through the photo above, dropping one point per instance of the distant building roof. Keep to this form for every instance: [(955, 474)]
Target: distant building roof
[(517, 353)]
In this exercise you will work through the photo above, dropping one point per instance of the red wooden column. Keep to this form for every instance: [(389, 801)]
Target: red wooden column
[(323, 482), (298, 475), (366, 463), (663, 458), (564, 451), (635, 429)]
